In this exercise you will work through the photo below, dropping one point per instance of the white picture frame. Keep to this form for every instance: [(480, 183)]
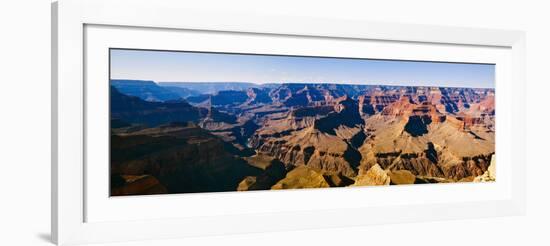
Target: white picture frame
[(71, 223)]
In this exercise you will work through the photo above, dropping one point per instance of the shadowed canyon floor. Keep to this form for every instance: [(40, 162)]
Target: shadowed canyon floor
[(210, 137)]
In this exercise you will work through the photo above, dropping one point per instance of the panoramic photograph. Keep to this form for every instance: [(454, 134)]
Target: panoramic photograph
[(188, 122)]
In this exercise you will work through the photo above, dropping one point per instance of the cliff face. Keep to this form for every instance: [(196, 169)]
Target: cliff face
[(145, 90), (429, 165), (134, 110), (428, 143), (184, 158), (313, 148), (323, 142), (400, 130)]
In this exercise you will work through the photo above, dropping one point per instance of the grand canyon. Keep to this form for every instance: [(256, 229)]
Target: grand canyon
[(186, 137)]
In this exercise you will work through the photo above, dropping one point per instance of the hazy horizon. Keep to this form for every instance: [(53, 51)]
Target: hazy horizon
[(197, 67), (267, 83)]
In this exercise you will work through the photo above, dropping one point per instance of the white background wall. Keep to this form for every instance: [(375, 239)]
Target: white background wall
[(25, 122)]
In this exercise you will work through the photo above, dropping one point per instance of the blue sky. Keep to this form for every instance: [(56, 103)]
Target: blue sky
[(170, 66)]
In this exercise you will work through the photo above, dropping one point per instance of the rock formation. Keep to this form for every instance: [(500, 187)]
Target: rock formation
[(300, 178), (373, 176)]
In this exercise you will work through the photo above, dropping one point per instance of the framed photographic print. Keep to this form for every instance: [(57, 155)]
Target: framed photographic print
[(191, 123)]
